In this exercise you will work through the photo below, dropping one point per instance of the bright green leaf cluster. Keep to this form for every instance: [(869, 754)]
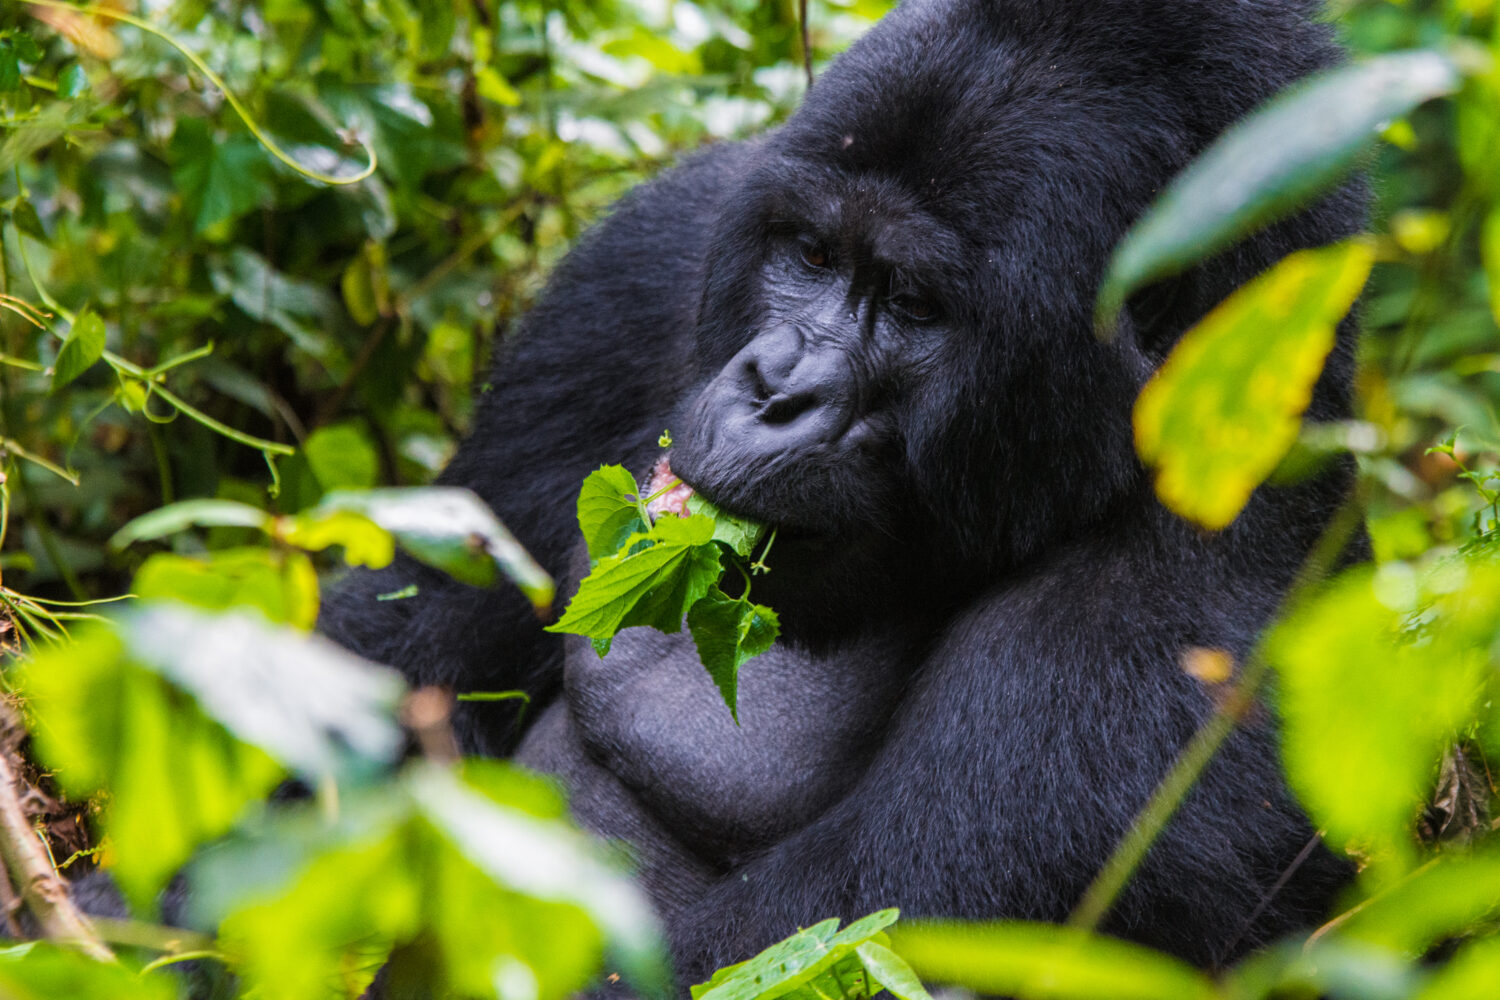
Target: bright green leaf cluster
[(821, 963), (658, 574)]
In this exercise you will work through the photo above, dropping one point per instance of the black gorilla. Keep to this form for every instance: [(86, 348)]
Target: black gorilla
[(871, 328)]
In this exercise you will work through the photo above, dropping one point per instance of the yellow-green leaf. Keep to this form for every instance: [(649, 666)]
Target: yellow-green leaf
[(1225, 407), (1043, 962)]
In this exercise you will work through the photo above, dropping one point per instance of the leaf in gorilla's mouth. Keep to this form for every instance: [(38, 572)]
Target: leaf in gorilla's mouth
[(654, 570), (665, 493)]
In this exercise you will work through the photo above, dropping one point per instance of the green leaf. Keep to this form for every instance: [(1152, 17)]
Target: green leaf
[(547, 861), (1270, 165), (1224, 408), (1452, 896), (885, 968), (41, 970), (308, 702), (303, 310), (740, 534), (221, 179), (1045, 962), (83, 346), (283, 586), (73, 81), (342, 456), (451, 529), (807, 957), (1470, 975), (608, 511), (175, 778), (729, 632), (1323, 967), (468, 882), (185, 514), (365, 543), (10, 67), (654, 586), (27, 221), (1367, 708)]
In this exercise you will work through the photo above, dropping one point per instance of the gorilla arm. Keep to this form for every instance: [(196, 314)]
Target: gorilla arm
[(1035, 731)]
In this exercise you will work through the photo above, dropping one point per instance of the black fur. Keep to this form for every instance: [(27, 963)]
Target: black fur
[(985, 607)]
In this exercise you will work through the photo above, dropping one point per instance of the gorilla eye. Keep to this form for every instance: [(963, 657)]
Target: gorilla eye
[(815, 255), (914, 307)]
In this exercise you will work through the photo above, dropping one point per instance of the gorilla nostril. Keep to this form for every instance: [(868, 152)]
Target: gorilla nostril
[(759, 390), (783, 409)]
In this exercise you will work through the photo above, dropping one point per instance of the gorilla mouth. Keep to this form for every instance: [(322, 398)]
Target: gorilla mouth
[(666, 493)]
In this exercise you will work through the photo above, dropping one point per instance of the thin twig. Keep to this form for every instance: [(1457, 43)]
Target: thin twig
[(1152, 819), (806, 40)]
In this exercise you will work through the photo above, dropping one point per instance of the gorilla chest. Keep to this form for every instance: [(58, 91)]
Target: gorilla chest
[(650, 716)]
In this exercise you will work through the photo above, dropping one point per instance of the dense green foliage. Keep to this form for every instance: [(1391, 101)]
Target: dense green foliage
[(252, 256)]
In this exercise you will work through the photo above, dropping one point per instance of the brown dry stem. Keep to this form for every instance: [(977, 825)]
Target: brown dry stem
[(44, 891)]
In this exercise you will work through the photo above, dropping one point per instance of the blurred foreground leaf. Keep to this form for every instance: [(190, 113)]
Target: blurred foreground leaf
[(1378, 674), (1224, 408), (1270, 165), (1046, 962), (113, 716), (44, 971), (451, 529), (282, 585), (454, 881), (444, 526)]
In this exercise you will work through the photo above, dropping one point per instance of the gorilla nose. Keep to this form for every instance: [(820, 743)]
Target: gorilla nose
[(783, 379)]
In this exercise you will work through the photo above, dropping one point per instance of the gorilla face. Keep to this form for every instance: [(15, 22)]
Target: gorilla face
[(804, 425)]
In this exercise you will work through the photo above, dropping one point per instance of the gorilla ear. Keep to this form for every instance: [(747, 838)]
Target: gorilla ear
[(1161, 313)]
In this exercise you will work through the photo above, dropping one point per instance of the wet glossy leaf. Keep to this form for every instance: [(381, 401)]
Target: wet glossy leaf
[(1271, 164), (311, 704), (483, 879), (1224, 408), (83, 346), (1044, 962)]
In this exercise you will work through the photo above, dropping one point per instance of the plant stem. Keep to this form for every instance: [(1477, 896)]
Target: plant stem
[(1149, 823)]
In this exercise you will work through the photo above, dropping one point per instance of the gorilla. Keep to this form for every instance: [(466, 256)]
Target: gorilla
[(871, 328)]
